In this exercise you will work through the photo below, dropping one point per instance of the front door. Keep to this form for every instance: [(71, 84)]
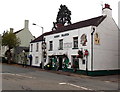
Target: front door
[(60, 63)]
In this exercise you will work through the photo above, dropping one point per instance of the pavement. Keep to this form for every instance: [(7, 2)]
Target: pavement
[(107, 78)]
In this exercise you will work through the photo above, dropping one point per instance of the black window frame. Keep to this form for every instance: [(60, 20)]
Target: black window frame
[(31, 48), (50, 45)]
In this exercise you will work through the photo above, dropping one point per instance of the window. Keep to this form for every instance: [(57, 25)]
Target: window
[(37, 47), (83, 61), (61, 44), (75, 62), (31, 47), (36, 60), (51, 45), (75, 42)]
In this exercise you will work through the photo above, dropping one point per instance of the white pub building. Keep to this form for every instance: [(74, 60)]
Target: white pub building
[(86, 47)]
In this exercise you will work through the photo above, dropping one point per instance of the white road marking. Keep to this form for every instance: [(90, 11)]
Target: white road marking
[(62, 83), (107, 81), (84, 88), (18, 75)]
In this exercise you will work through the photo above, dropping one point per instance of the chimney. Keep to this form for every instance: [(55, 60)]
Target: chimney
[(107, 10), (11, 30), (26, 24)]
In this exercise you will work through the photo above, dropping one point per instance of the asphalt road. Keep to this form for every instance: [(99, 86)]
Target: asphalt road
[(19, 78)]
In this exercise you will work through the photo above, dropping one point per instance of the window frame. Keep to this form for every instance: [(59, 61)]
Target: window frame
[(36, 60), (74, 58), (37, 47), (50, 45), (61, 44), (31, 47), (75, 40)]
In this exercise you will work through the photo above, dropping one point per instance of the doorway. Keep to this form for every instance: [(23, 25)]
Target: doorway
[(60, 62)]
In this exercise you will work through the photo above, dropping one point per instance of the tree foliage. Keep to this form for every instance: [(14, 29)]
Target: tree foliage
[(9, 39), (63, 17)]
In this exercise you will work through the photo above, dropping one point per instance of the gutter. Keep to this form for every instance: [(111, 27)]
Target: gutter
[(92, 48)]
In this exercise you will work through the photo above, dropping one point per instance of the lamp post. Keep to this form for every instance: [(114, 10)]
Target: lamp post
[(39, 26), (42, 44)]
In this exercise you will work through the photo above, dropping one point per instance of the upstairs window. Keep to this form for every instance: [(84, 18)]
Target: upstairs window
[(51, 45), (61, 44), (31, 47), (75, 42), (37, 47)]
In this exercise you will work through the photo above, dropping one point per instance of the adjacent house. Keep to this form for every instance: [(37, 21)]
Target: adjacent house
[(36, 51), (87, 47), (119, 14), (0, 45), (119, 28), (25, 37)]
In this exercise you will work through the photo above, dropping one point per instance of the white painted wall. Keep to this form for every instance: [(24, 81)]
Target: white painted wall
[(119, 14), (0, 45), (106, 54), (36, 54), (69, 39)]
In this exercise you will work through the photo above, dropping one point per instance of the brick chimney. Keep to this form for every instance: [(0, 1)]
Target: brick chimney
[(107, 10)]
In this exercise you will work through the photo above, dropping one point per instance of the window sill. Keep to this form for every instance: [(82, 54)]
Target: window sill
[(74, 48), (50, 50), (60, 49)]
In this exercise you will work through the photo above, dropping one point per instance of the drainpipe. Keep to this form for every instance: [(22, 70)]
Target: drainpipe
[(87, 65), (92, 48)]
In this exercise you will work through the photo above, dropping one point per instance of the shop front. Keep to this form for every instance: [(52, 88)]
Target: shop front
[(58, 62)]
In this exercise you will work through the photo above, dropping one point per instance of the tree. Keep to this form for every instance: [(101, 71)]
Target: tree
[(63, 17), (10, 40)]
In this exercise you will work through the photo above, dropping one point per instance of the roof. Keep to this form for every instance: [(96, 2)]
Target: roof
[(90, 22), (38, 39), (20, 49), (18, 31)]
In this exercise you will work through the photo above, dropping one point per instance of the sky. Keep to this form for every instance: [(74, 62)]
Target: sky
[(44, 12)]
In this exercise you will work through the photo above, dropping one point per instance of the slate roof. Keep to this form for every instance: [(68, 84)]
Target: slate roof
[(20, 49), (90, 22), (18, 31)]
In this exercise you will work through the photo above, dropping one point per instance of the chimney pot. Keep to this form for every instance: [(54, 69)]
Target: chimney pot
[(107, 10), (107, 6)]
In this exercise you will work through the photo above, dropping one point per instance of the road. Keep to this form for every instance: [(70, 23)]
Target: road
[(19, 78)]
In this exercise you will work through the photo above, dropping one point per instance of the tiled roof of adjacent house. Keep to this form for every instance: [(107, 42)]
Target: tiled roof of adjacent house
[(90, 22)]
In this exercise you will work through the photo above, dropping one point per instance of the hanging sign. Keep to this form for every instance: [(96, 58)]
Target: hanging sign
[(80, 54), (97, 39), (86, 53), (83, 39)]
